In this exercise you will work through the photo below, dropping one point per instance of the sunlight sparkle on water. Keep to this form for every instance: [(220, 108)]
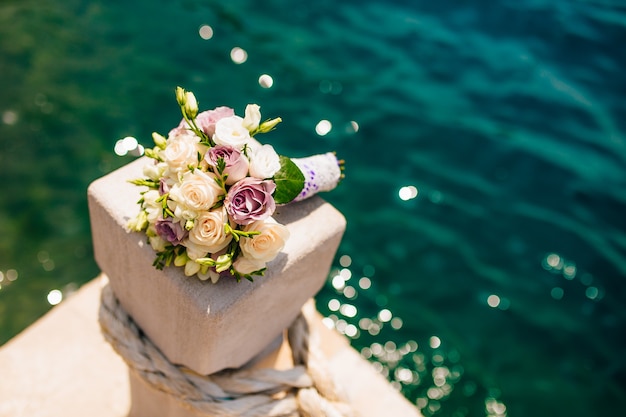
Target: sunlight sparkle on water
[(128, 145), (434, 342), (11, 274), (365, 283), (238, 55), (328, 322), (345, 261), (346, 274), (348, 310), (592, 293), (9, 117), (338, 282), (557, 293), (384, 315), (349, 292), (55, 297), (493, 301), (552, 261), (408, 192), (323, 127), (205, 32), (266, 81)]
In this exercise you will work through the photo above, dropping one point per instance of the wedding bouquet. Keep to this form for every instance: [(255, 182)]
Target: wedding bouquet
[(212, 189)]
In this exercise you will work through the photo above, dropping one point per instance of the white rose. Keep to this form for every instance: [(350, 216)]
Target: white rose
[(208, 231), (181, 151), (264, 161), (245, 265), (252, 118), (231, 131), (197, 190), (265, 246)]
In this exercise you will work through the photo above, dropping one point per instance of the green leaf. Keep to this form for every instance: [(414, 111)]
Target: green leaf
[(289, 181)]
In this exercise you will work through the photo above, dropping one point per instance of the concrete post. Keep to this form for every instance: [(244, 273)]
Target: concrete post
[(209, 327)]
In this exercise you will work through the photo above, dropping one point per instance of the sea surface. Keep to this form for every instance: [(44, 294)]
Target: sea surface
[(483, 267)]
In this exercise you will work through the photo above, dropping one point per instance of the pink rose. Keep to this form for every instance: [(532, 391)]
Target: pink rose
[(170, 231), (236, 163), (206, 120), (250, 199)]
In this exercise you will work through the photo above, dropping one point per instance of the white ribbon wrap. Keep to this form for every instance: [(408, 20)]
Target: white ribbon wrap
[(321, 173)]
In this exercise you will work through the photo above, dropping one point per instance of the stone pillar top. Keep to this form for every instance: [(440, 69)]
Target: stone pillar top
[(209, 327)]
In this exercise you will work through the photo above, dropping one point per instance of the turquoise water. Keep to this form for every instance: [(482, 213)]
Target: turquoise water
[(483, 266)]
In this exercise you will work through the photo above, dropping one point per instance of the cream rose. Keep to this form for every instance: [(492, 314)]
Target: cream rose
[(180, 152), (265, 246), (246, 266), (197, 190), (264, 161), (208, 232), (231, 131)]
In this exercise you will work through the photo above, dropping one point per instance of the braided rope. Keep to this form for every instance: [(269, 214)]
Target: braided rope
[(306, 390)]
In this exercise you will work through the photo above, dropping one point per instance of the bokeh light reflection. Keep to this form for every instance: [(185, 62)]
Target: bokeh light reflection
[(345, 261), (384, 315), (433, 374), (408, 192), (349, 292), (54, 297), (9, 117), (365, 283), (323, 127), (338, 282), (266, 81), (11, 275), (493, 301), (434, 342), (128, 146), (205, 32), (238, 55), (557, 293)]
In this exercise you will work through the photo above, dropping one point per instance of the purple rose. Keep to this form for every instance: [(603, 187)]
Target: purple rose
[(205, 121), (172, 232), (250, 199), (236, 162)]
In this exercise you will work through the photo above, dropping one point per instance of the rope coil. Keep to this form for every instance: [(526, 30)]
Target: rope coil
[(306, 390)]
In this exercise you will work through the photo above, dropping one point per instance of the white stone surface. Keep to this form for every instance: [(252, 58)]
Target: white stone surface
[(62, 366), (203, 326)]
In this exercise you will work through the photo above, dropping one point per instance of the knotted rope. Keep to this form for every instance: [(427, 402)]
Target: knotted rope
[(306, 390)]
